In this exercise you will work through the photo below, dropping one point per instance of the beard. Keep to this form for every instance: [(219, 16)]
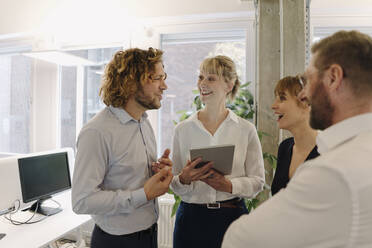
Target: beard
[(146, 101), (321, 108)]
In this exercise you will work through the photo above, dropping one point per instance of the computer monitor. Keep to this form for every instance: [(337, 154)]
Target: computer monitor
[(42, 176)]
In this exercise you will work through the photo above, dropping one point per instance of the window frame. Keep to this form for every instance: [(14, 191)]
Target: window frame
[(156, 28), (80, 88)]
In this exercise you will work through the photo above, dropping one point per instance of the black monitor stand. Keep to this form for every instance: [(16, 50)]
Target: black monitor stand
[(40, 209)]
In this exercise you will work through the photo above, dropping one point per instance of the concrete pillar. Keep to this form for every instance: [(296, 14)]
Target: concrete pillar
[(294, 48), (281, 52), (268, 59), (293, 42)]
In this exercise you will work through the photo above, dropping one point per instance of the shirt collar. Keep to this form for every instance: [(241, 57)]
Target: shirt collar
[(123, 115), (343, 131), (231, 116)]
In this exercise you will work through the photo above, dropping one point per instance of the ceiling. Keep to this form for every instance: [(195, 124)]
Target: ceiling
[(26, 15)]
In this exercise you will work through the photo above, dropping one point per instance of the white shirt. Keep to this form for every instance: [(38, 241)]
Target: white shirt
[(247, 176), (328, 202)]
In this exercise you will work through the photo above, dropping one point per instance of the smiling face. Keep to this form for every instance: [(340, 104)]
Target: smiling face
[(289, 111), (212, 88), (150, 95)]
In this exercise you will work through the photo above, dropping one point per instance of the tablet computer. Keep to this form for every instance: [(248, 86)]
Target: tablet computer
[(221, 155)]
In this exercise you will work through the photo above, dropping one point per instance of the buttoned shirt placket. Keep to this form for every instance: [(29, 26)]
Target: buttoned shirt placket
[(148, 162)]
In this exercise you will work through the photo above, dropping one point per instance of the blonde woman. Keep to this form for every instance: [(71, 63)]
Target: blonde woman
[(210, 200)]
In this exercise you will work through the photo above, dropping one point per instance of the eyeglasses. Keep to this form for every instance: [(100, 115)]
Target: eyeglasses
[(159, 77), (301, 80)]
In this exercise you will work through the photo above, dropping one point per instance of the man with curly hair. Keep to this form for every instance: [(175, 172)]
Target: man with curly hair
[(113, 177)]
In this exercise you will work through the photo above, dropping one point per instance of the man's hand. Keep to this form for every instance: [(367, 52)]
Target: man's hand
[(217, 181), (189, 173), (158, 184), (162, 162)]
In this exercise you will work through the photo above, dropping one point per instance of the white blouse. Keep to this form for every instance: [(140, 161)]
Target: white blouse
[(247, 176)]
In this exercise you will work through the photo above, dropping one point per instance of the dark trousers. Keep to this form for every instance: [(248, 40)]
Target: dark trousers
[(197, 226), (142, 239)]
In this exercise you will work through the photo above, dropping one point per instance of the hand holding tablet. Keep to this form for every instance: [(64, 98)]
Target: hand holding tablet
[(222, 157)]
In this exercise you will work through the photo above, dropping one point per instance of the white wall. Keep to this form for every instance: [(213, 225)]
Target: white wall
[(328, 6), (23, 15), (27, 15), (18, 16), (338, 13)]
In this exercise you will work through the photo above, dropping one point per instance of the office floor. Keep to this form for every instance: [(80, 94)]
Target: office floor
[(78, 238)]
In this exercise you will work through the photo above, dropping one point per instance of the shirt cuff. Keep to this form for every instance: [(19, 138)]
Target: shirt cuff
[(138, 197), (179, 188), (235, 187)]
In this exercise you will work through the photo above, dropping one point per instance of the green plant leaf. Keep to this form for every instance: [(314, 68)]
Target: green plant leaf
[(180, 112), (245, 85)]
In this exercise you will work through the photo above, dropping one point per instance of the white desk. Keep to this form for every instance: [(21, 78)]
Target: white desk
[(44, 232)]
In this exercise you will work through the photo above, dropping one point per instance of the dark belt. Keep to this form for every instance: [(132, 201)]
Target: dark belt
[(232, 203), (149, 231)]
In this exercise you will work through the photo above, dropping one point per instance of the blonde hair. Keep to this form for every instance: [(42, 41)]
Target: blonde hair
[(126, 73), (224, 67)]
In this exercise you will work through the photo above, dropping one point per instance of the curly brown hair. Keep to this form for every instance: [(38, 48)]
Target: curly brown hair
[(126, 73)]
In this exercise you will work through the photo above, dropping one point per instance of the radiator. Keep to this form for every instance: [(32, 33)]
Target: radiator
[(165, 222)]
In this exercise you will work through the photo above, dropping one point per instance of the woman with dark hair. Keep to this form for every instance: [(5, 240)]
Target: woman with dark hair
[(293, 115)]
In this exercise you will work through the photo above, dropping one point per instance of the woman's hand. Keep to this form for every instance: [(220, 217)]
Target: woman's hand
[(217, 181), (189, 173)]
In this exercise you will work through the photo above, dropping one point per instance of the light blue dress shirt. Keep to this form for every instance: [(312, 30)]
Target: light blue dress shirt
[(114, 154)]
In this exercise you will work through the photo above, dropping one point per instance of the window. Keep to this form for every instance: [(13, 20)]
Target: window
[(68, 106), (79, 91), (322, 32), (183, 54), (15, 103)]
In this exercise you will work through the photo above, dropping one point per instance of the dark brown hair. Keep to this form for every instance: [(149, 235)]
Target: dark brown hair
[(291, 84), (126, 73)]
